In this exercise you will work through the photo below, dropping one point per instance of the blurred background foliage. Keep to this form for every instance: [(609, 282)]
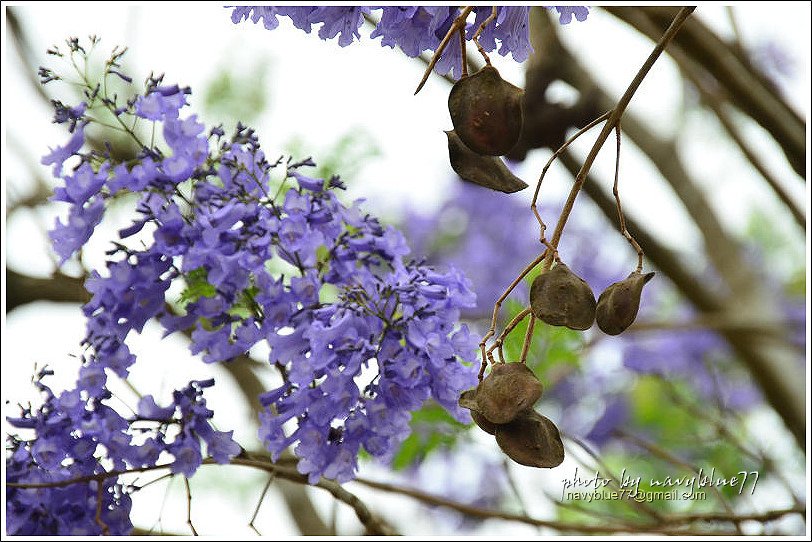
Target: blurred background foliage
[(712, 375)]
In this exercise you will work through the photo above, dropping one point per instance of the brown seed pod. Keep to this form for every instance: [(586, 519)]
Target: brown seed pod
[(559, 297), (532, 440), (483, 423), (619, 303), (486, 112), (468, 400), (508, 390), (488, 171)]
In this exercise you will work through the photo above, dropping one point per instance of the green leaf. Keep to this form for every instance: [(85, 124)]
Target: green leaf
[(197, 286), (353, 150), (240, 94), (550, 346), (433, 428)]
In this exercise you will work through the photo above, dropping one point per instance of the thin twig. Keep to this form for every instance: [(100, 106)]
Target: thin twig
[(155, 481), (620, 217), (458, 23), (99, 498), (189, 506), (259, 503), (464, 55), (528, 338), (498, 305), (160, 521), (508, 328), (613, 119), (667, 456), (567, 143), (478, 33)]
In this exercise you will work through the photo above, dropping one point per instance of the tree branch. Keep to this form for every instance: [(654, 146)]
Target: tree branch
[(771, 361), (751, 347), (613, 120), (22, 289), (672, 525), (714, 100), (746, 88), (374, 525)]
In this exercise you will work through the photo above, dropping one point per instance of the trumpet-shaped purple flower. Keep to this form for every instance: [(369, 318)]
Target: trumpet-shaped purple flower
[(566, 13), (69, 237), (59, 155)]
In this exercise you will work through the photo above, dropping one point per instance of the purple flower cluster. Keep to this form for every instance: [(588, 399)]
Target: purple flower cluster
[(75, 431), (68, 429), (360, 334), (414, 29)]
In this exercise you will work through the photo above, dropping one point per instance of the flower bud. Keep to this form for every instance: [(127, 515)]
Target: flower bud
[(486, 112), (531, 440), (619, 303), (559, 297), (488, 171)]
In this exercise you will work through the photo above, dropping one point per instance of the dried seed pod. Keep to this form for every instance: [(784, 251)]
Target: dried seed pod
[(559, 297), (486, 112), (483, 423), (532, 440), (488, 171), (508, 390), (619, 303), (468, 400)]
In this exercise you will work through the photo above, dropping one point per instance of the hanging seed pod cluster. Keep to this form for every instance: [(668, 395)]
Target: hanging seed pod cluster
[(559, 297), (487, 117), (502, 405), (486, 112)]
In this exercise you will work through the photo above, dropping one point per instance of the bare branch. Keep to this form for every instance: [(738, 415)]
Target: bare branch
[(189, 506), (612, 121), (715, 100), (771, 361), (373, 524), (259, 503), (22, 289), (748, 89), (564, 527)]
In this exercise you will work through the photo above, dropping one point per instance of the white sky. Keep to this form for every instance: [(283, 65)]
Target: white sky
[(318, 91)]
